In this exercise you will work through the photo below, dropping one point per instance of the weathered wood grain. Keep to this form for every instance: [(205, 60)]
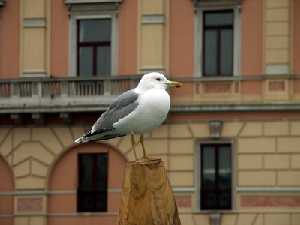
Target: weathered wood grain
[(147, 197)]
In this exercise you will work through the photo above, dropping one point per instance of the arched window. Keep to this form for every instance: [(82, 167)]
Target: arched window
[(85, 184)]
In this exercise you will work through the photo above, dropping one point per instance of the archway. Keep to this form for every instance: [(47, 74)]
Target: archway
[(6, 193), (63, 187)]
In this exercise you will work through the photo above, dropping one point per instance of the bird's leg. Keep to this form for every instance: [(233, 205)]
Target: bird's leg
[(133, 146), (143, 147)]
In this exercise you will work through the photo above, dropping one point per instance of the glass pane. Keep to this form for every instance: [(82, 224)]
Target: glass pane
[(92, 190), (209, 173), (101, 172), (95, 30), (226, 52), (85, 61), (224, 181), (85, 172), (103, 60), (210, 54), (218, 18), (224, 153)]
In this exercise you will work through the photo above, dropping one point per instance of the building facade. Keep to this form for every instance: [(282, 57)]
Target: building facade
[(231, 143)]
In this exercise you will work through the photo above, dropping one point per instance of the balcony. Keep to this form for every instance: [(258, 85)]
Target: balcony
[(243, 93), (61, 95)]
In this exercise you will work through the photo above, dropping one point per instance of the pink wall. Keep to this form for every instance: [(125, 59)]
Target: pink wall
[(9, 39), (59, 39), (296, 38), (6, 185), (252, 37), (182, 47), (128, 37), (181, 38), (127, 57)]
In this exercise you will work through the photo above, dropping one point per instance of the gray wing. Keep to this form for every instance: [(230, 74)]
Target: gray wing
[(121, 107)]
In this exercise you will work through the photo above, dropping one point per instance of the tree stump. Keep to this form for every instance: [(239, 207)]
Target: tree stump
[(147, 197)]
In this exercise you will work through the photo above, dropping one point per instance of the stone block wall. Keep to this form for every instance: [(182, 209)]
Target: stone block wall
[(266, 171)]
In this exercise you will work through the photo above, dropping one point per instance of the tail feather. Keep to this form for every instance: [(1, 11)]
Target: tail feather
[(81, 140)]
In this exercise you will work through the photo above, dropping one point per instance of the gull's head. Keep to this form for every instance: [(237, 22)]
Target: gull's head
[(156, 80)]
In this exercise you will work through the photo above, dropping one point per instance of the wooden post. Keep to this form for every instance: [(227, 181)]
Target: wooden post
[(147, 197)]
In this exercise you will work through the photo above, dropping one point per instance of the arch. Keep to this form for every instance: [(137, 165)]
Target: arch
[(6, 193), (62, 186)]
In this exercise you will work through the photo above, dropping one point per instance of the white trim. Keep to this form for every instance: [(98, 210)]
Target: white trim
[(198, 54), (78, 15)]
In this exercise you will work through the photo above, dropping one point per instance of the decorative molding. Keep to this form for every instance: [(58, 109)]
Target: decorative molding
[(34, 73), (153, 19), (271, 107), (69, 2), (34, 22), (33, 204), (270, 201), (93, 5), (269, 189), (214, 3), (215, 128)]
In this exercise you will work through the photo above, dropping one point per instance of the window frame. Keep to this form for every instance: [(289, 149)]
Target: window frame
[(216, 158), (78, 208), (199, 36), (218, 28), (198, 166), (94, 45), (73, 36)]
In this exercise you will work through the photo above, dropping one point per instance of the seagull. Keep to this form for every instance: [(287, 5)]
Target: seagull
[(136, 111)]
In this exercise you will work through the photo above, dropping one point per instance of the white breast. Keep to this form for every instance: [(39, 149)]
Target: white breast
[(152, 110)]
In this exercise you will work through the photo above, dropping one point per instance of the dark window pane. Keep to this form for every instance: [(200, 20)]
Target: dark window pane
[(92, 182), (218, 18), (224, 167), (95, 30), (216, 176), (101, 173), (226, 52), (103, 60), (86, 61), (86, 172), (211, 52), (209, 165)]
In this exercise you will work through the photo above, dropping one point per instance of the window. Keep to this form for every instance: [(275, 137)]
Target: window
[(218, 43), (92, 182), (94, 47), (216, 176)]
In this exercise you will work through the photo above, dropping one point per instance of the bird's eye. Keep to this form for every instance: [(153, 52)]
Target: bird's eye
[(158, 79)]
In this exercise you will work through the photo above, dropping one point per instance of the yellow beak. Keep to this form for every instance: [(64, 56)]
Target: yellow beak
[(176, 84)]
